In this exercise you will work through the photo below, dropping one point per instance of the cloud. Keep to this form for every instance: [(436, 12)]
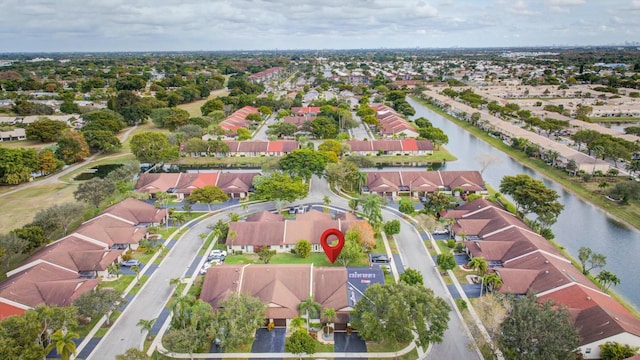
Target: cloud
[(70, 25)]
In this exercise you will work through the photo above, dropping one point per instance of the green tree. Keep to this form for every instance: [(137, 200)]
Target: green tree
[(94, 191), (45, 130), (372, 208), (101, 140), (492, 281), (265, 254), (304, 163), (62, 341), (47, 162), (411, 277), (393, 312), (152, 147), (27, 336), (537, 331), (607, 278), (615, 351), (98, 303), (323, 127), (352, 249), (240, 315), (436, 202), (211, 105), (310, 308), (208, 194), (595, 260), (32, 235), (178, 218), (446, 262), (133, 354), (243, 134), (72, 147), (300, 342), (278, 186), (479, 265), (177, 118), (392, 227), (406, 207), (303, 248), (146, 326), (532, 196), (353, 204)]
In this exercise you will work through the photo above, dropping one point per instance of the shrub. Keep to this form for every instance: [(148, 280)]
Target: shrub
[(451, 243), (462, 305)]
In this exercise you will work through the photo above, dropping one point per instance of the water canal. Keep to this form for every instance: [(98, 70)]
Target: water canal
[(580, 224)]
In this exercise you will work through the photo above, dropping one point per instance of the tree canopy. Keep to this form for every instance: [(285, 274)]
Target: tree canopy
[(208, 194), (280, 186), (537, 331), (532, 196), (304, 163), (394, 311), (152, 147)]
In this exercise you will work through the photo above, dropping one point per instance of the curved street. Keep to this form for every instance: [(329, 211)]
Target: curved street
[(179, 262)]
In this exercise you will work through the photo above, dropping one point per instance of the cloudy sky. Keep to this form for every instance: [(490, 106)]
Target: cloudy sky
[(146, 25)]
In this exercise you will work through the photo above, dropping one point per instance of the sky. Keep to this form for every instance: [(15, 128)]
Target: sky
[(192, 25)]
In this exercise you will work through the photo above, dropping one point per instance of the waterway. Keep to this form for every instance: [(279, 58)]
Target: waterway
[(580, 224)]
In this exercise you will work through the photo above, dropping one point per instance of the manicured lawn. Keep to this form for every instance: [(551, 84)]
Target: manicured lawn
[(194, 108), (389, 346), (25, 203), (318, 259), (26, 144)]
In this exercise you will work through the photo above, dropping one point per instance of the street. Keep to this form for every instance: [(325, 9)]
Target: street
[(152, 298)]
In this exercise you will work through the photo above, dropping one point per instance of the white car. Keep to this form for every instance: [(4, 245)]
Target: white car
[(205, 267), (218, 253)]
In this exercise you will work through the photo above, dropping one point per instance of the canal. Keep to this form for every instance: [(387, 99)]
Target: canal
[(580, 224)]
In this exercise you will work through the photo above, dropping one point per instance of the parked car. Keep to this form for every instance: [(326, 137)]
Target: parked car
[(131, 262), (218, 253), (204, 269)]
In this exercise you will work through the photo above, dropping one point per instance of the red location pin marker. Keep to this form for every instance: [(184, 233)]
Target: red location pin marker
[(332, 251)]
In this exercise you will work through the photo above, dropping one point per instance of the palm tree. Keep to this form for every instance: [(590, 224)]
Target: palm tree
[(479, 264), (598, 152), (136, 269), (310, 308), (180, 308), (326, 200), (231, 235), (353, 205), (492, 282), (361, 180), (297, 323), (233, 217), (607, 278), (330, 315), (63, 343), (175, 281), (178, 218), (146, 325)]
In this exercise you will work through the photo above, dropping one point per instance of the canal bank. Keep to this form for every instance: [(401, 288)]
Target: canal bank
[(580, 224)]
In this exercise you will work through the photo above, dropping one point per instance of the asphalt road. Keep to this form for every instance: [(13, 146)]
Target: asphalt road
[(151, 299)]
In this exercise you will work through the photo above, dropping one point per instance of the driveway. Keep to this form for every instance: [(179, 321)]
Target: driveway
[(348, 343), (269, 341)]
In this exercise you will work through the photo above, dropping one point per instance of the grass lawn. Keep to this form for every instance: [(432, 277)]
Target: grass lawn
[(194, 108), (390, 346), (627, 213), (614, 119), (25, 203), (317, 259), (27, 144)]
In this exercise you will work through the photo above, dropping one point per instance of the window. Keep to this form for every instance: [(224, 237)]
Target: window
[(587, 351)]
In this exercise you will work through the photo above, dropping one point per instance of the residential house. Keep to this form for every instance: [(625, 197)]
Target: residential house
[(405, 147), (392, 124), (13, 135), (276, 233), (420, 183), (528, 263), (138, 212), (235, 184), (237, 120), (284, 287)]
